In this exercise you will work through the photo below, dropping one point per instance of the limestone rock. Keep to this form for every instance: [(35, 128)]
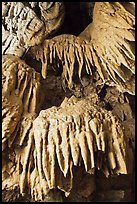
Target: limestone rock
[(51, 149), (105, 49), (20, 105), (77, 132), (23, 81), (25, 24)]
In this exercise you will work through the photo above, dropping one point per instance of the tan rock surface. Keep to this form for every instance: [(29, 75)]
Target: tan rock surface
[(77, 132), (20, 105), (105, 48), (74, 148)]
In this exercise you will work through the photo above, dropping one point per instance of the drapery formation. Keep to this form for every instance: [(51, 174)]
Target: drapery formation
[(75, 133), (20, 105), (105, 47), (40, 148)]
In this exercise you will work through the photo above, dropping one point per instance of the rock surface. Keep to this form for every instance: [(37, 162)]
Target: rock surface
[(25, 24), (71, 136)]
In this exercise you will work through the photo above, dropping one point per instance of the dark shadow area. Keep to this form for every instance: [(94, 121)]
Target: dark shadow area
[(78, 15)]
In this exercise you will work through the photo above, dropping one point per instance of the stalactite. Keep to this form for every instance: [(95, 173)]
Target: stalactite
[(75, 132), (109, 49)]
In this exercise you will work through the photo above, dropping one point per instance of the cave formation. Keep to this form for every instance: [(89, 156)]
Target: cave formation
[(68, 101)]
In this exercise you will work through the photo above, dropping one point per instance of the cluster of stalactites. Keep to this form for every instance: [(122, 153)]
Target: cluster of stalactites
[(20, 95), (20, 106), (22, 80), (105, 47), (75, 56), (76, 133)]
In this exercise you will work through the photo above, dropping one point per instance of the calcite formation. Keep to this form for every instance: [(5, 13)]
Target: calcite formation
[(105, 48), (47, 147), (20, 105), (23, 81), (25, 24), (77, 132)]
